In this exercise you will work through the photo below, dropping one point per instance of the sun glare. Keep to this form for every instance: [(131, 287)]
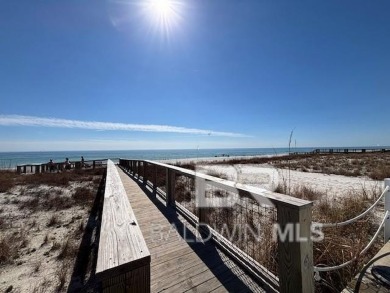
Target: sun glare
[(161, 7), (165, 14)]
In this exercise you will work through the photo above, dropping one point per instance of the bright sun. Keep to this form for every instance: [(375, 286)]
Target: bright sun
[(162, 7), (165, 14)]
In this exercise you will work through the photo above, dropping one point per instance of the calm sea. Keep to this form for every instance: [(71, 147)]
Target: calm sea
[(11, 159)]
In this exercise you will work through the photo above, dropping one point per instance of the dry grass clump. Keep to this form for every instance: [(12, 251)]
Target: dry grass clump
[(300, 191), (5, 251), (61, 275), (344, 243), (55, 246), (53, 220), (37, 266), (183, 189), (31, 204), (380, 172), (57, 203), (67, 252), (6, 180), (41, 287), (45, 239), (186, 165), (217, 174), (2, 222), (68, 249), (11, 246), (339, 245), (83, 195)]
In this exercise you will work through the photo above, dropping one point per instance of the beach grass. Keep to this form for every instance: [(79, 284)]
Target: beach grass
[(43, 218), (373, 165)]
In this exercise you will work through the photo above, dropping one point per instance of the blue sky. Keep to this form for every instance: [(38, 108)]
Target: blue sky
[(242, 73)]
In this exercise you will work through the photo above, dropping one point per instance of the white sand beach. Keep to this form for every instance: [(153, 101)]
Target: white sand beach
[(268, 177)]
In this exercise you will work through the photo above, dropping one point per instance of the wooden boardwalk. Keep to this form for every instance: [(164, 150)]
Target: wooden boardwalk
[(179, 263)]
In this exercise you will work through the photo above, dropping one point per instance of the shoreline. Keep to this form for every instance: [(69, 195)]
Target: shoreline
[(167, 161), (216, 159), (12, 159)]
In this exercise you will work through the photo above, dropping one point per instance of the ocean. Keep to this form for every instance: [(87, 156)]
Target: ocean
[(12, 159)]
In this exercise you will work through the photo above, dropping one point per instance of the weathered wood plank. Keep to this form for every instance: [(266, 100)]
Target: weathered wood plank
[(173, 260), (296, 250), (227, 276), (137, 280), (122, 248), (192, 268)]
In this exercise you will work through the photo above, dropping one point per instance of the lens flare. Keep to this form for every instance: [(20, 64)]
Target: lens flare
[(162, 8), (162, 19), (164, 14)]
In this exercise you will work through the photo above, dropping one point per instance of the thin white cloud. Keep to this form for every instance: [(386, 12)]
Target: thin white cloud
[(18, 120)]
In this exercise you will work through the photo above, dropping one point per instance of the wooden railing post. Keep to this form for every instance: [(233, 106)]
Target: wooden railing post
[(93, 164), (200, 190), (170, 186), (19, 169), (295, 248), (155, 180), (145, 169), (387, 208)]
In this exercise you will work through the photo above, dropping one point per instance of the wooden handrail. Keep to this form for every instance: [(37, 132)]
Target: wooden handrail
[(123, 257), (295, 256), (260, 194)]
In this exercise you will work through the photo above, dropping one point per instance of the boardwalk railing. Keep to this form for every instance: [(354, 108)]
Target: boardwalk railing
[(42, 168), (241, 220), (350, 150), (343, 151), (123, 263)]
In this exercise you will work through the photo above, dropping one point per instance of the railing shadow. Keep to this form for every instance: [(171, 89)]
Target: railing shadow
[(83, 277), (206, 250)]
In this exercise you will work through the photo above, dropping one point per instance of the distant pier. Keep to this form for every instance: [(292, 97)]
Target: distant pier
[(344, 151)]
